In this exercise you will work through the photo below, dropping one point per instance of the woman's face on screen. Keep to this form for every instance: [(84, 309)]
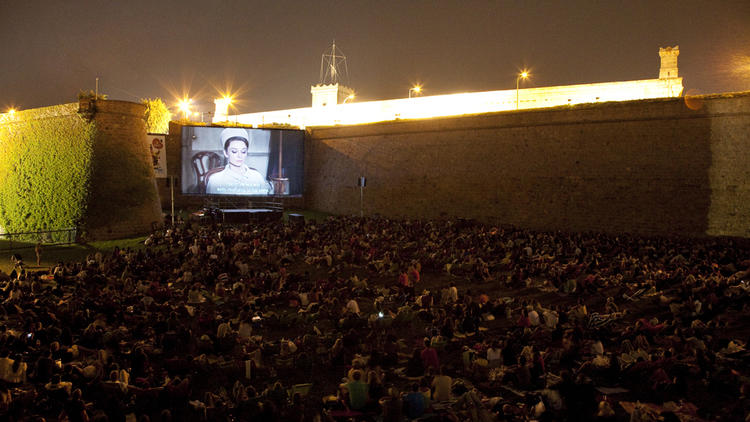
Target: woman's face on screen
[(236, 153)]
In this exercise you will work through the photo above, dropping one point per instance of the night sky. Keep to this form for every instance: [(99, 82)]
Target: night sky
[(268, 53)]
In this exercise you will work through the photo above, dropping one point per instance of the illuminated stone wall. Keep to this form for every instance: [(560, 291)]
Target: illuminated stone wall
[(460, 104), (123, 199), (650, 166), (94, 172)]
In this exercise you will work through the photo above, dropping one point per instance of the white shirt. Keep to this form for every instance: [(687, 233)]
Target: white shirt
[(453, 293), (245, 330), (550, 319), (494, 354), (246, 181), (533, 317)]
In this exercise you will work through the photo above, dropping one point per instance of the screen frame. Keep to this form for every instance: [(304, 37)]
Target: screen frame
[(284, 146)]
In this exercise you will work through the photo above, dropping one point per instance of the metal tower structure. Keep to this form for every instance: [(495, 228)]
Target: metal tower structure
[(333, 69)]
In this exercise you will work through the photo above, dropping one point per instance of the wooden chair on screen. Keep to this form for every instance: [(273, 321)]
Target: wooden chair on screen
[(203, 162)]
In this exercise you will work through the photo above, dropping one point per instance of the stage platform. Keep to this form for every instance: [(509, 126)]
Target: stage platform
[(248, 215)]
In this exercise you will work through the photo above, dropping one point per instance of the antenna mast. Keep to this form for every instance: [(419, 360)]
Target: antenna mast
[(333, 68)]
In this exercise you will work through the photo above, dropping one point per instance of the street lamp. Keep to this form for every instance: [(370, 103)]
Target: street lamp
[(522, 75), (416, 90)]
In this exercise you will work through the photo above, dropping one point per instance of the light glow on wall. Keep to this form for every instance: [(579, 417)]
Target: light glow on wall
[(8, 116), (461, 104)]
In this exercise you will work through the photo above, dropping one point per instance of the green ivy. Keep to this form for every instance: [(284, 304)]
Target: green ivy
[(157, 115), (45, 162)]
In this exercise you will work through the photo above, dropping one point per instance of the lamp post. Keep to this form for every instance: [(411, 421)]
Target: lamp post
[(522, 75), (203, 114), (416, 90)]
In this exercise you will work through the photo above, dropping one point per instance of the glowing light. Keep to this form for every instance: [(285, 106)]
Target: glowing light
[(523, 75), (416, 90), (350, 97), (184, 106), (221, 112), (8, 115)]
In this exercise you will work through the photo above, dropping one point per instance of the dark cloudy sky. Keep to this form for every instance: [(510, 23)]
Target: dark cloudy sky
[(269, 51)]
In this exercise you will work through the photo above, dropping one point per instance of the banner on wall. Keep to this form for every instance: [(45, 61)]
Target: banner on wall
[(158, 150)]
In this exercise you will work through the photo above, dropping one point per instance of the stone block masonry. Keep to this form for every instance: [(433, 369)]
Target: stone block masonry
[(648, 167), (96, 175), (123, 198)]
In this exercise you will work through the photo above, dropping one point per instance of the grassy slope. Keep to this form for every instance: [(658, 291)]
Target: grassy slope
[(52, 254)]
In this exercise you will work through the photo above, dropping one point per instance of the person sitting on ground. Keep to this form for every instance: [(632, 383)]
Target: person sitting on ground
[(414, 403), (358, 392), (441, 385), (429, 356), (392, 406), (415, 366)]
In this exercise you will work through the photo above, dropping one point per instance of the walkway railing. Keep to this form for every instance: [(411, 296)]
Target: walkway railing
[(25, 240)]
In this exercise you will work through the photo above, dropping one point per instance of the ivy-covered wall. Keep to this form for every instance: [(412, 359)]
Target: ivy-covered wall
[(83, 165), (45, 167)]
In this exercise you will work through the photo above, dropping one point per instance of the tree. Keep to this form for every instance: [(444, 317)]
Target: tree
[(157, 115)]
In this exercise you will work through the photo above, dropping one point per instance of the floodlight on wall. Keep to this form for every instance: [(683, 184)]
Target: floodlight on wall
[(416, 90), (522, 75), (184, 106)]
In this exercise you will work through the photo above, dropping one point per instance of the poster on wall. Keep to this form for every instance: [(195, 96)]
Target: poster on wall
[(235, 161), (158, 150)]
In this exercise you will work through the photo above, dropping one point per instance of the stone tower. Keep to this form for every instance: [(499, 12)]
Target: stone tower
[(668, 62), (331, 94), (333, 71)]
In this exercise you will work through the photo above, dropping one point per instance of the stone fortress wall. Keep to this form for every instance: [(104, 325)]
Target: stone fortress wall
[(660, 166), (123, 199), (100, 145)]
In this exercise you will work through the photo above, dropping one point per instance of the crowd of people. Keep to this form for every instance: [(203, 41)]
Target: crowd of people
[(379, 319)]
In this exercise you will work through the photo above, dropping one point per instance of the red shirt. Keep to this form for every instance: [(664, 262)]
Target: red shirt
[(524, 322), (430, 358), (414, 276)]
